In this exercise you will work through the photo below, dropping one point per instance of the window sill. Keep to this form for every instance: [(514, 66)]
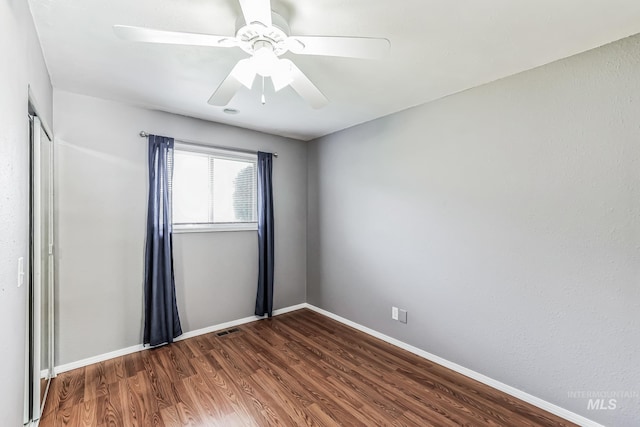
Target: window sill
[(208, 228)]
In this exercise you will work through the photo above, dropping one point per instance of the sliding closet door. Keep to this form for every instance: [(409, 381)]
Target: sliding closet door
[(42, 264)]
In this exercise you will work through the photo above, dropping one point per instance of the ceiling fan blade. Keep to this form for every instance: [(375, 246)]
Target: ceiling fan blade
[(243, 73), (304, 87), (349, 47), (150, 35), (282, 75), (225, 91), (256, 11)]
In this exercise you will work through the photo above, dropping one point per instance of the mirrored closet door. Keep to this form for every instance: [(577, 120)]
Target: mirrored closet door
[(41, 283)]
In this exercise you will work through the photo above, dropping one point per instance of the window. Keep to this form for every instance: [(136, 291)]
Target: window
[(213, 189)]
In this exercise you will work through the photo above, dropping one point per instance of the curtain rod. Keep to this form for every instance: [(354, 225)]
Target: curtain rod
[(144, 134)]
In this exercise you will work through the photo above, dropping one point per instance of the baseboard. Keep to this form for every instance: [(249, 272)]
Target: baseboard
[(99, 358), (139, 347), (237, 322), (512, 391)]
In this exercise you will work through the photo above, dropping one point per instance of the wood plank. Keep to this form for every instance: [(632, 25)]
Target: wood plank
[(132, 364), (114, 370), (70, 389), (87, 413), (226, 395), (188, 412), (158, 381), (95, 381), (67, 416), (109, 411)]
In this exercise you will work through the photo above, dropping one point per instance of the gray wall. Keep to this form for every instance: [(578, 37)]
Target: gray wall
[(22, 65), (102, 188), (505, 219)]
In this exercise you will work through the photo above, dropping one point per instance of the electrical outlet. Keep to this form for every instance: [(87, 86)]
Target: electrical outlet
[(394, 313), (403, 316), (20, 271)]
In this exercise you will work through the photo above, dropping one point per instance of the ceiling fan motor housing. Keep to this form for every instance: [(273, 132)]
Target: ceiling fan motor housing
[(253, 36)]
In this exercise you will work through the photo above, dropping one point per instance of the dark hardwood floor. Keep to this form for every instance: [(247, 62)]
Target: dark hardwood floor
[(297, 369)]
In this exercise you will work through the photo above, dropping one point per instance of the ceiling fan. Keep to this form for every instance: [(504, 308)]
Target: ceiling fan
[(264, 35)]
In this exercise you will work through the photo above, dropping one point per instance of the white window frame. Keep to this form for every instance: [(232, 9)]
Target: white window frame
[(219, 226)]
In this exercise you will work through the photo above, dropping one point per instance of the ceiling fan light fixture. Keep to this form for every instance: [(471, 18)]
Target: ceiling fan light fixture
[(245, 73), (265, 60)]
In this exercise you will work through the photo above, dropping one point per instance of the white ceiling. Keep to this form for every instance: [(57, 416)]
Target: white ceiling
[(438, 47)]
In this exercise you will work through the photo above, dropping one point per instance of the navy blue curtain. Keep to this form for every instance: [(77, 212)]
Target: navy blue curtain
[(161, 321), (264, 299)]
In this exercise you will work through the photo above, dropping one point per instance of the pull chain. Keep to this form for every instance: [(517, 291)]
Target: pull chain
[(264, 101)]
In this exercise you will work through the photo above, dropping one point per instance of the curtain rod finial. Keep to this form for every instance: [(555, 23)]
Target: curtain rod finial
[(143, 134)]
